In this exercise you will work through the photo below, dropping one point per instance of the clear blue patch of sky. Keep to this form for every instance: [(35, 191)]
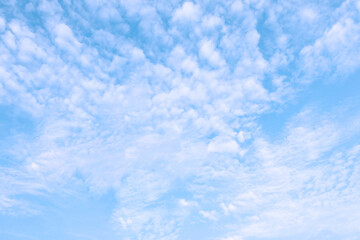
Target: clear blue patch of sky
[(78, 217), (322, 94)]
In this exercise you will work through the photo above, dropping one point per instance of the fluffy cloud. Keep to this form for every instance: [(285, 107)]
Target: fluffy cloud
[(188, 12)]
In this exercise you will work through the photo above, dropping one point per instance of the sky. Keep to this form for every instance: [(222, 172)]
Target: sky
[(179, 120)]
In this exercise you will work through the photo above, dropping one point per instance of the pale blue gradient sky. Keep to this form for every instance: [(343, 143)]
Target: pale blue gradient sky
[(212, 120)]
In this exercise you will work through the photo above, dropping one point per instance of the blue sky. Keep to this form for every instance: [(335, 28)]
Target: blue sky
[(212, 120)]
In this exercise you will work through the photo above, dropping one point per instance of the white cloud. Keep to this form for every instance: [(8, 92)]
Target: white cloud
[(308, 14), (254, 90), (208, 51), (2, 24), (224, 145), (228, 208), (132, 6), (289, 189), (137, 55), (65, 38), (241, 136), (29, 49), (9, 40), (189, 12), (20, 29), (211, 21), (209, 214), (187, 203), (237, 6), (336, 51)]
